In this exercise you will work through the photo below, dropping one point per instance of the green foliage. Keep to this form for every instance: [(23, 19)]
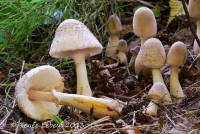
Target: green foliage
[(176, 9), (57, 119), (156, 12), (27, 26)]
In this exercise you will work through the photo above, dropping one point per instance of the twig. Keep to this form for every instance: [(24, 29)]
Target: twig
[(5, 132), (17, 127), (7, 106), (188, 17), (194, 62), (139, 127), (171, 120), (102, 120)]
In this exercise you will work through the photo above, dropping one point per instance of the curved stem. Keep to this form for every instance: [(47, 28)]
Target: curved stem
[(132, 61), (139, 67), (175, 87), (83, 87), (138, 63), (99, 107), (157, 76)]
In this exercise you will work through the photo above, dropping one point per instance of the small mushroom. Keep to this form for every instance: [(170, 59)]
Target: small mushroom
[(176, 57), (144, 26), (114, 27), (193, 8), (39, 95), (153, 57), (122, 48), (74, 40)]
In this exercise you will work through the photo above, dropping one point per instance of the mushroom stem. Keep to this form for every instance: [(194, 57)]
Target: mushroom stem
[(99, 107), (132, 61), (143, 39), (198, 26), (122, 58), (139, 67), (157, 76), (83, 87), (175, 87), (152, 109), (111, 49), (41, 96)]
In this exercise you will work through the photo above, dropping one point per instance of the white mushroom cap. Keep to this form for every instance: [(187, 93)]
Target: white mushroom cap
[(72, 37), (144, 23), (114, 25), (153, 53), (177, 54), (43, 78), (194, 7)]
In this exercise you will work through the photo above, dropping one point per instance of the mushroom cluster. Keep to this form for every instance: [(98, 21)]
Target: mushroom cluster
[(153, 57), (39, 92)]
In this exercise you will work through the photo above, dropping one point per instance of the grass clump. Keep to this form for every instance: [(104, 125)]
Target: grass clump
[(27, 26)]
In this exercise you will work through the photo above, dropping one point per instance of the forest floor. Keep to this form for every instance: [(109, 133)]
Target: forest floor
[(119, 82)]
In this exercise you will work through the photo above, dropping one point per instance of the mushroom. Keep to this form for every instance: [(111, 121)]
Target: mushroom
[(193, 8), (43, 78), (153, 57), (176, 57), (39, 95), (114, 27), (144, 26), (122, 48), (74, 40)]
